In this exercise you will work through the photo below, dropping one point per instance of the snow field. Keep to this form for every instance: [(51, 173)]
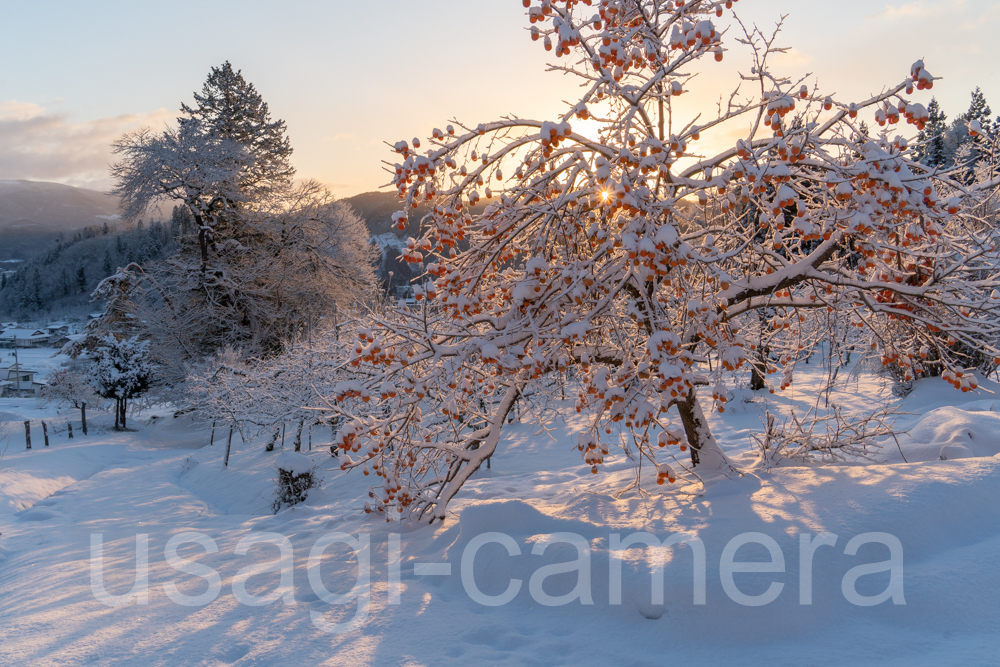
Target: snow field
[(163, 481)]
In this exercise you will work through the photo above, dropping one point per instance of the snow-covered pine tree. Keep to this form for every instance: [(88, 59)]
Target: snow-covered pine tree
[(979, 111), (231, 108), (122, 370), (619, 248), (268, 255), (931, 146)]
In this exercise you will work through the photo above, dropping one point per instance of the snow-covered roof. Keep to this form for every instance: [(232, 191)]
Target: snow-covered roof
[(389, 240), (23, 333), (19, 369)]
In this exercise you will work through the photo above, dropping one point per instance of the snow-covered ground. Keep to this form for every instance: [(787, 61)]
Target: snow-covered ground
[(165, 480)]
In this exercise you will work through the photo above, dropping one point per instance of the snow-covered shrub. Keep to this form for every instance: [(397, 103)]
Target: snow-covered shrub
[(824, 437), (296, 475), (69, 388)]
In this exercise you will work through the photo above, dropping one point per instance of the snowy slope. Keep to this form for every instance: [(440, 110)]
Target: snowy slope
[(163, 481)]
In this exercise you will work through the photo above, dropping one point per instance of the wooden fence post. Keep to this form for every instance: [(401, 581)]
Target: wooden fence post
[(69, 425), (27, 433), (45, 433)]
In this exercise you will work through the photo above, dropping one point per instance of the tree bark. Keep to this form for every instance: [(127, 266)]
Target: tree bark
[(270, 443), (705, 451), (757, 381), (83, 416)]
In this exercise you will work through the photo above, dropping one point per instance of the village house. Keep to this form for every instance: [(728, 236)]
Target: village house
[(24, 338), (18, 381)]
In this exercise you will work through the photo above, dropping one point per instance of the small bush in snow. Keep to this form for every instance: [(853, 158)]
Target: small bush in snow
[(296, 475)]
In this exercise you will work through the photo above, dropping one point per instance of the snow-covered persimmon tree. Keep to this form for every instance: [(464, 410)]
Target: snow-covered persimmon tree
[(623, 251)]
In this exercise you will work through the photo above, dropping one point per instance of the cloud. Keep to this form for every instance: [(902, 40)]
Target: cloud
[(919, 10), (37, 144), (793, 58)]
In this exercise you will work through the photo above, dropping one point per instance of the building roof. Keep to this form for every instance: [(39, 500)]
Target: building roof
[(23, 333)]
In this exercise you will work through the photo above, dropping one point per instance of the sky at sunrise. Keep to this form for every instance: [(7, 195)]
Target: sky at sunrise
[(348, 76)]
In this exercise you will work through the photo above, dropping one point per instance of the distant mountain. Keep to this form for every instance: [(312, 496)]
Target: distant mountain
[(376, 209), (33, 213)]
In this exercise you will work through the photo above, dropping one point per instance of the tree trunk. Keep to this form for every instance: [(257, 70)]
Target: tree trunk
[(298, 438), (118, 413), (757, 381), (705, 451), (229, 444), (83, 417), (27, 434), (45, 433), (203, 246), (270, 443)]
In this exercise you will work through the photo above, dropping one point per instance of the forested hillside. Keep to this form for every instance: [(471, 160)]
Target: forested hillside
[(34, 213), (58, 282)]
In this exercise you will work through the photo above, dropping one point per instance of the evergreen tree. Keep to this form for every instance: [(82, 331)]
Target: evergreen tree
[(863, 132), (181, 222), (81, 277), (122, 371), (36, 288), (979, 110), (231, 108), (968, 150), (932, 149), (108, 266)]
